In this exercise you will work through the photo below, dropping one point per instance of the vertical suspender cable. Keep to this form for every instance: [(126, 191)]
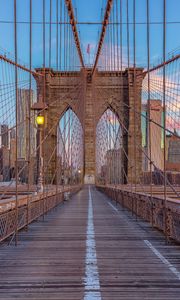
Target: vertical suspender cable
[(57, 34), (121, 36), (135, 96), (149, 108), (164, 117), (121, 88), (60, 37), (127, 12), (64, 152), (111, 60), (114, 43), (44, 87), (29, 104), (117, 36), (64, 38), (57, 64), (50, 32), (128, 65), (16, 97)]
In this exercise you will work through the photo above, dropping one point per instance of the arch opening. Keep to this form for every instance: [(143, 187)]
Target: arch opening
[(109, 149), (70, 149)]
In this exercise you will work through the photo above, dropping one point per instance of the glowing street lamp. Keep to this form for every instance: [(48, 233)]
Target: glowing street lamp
[(80, 176), (40, 120)]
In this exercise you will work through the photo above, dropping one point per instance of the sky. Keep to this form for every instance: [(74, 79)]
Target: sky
[(90, 11)]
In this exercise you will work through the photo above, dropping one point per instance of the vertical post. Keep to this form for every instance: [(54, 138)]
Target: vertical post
[(40, 160)]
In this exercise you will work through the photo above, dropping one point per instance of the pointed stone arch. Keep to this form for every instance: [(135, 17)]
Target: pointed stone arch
[(89, 96)]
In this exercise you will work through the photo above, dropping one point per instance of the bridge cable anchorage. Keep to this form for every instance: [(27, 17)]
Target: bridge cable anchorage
[(74, 29)]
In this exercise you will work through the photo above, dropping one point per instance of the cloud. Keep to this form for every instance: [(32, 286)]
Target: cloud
[(110, 58)]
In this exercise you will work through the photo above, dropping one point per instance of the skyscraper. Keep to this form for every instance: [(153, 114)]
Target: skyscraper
[(4, 135), (154, 110), (24, 137)]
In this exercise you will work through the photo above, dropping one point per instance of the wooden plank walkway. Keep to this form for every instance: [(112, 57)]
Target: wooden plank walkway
[(90, 249)]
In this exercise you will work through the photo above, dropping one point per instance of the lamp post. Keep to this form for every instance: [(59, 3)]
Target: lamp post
[(40, 123), (39, 108), (79, 179)]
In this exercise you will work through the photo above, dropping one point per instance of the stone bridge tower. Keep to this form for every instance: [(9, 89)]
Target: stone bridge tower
[(89, 97)]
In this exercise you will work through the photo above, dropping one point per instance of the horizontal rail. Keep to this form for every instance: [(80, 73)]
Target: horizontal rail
[(87, 23)]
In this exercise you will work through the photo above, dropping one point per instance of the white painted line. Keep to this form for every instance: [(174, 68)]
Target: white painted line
[(91, 280), (113, 207), (163, 259), (120, 215)]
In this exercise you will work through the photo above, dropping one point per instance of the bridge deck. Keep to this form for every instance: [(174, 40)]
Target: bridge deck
[(89, 249)]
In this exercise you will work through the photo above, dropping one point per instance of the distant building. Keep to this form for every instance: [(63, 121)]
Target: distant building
[(114, 166), (103, 170), (154, 110), (101, 176), (4, 163), (4, 135), (23, 124), (59, 170), (174, 150), (12, 157), (173, 161), (13, 133)]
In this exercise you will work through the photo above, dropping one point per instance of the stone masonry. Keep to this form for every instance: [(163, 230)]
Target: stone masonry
[(89, 97)]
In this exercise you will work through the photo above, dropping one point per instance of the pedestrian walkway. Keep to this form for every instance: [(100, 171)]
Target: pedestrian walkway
[(88, 248)]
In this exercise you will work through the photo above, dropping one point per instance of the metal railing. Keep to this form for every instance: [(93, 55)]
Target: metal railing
[(31, 211), (149, 208)]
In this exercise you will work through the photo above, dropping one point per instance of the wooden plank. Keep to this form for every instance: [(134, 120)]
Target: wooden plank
[(49, 262)]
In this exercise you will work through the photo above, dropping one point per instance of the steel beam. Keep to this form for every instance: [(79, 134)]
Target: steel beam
[(103, 32), (4, 58), (174, 58), (74, 29)]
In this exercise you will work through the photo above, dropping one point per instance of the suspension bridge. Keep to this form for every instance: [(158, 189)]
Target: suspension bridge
[(89, 149)]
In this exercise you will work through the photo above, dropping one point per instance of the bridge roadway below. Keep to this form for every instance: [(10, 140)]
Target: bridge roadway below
[(87, 248)]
